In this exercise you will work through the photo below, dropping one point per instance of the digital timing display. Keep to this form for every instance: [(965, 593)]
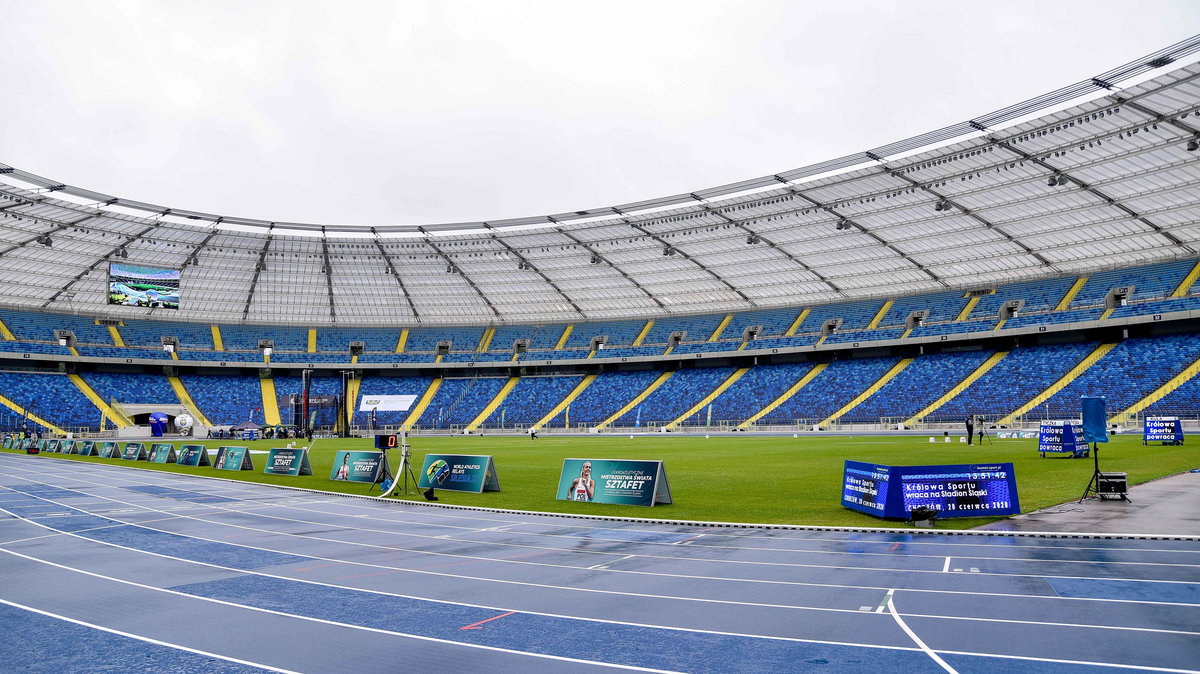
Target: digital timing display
[(387, 441), (953, 491)]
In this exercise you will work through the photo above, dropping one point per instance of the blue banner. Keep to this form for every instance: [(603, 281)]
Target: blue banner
[(966, 490), (1167, 430), (1062, 439)]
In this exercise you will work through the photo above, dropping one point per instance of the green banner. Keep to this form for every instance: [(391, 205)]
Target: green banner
[(51, 446), (8, 442), (66, 446), (617, 481), (161, 452), (107, 450), (353, 466), (134, 451), (192, 455), (85, 447), (288, 461), (233, 458), (455, 472)]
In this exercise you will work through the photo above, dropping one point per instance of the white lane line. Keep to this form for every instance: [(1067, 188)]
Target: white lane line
[(946, 566), (604, 565), (146, 639), (891, 606)]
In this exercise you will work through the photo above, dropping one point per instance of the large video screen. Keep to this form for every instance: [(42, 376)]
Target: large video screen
[(136, 286)]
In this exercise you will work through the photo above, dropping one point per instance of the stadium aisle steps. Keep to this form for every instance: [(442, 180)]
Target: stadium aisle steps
[(402, 340), (662, 379), (485, 341), (1065, 302), (566, 334), (352, 388), (1057, 386), (808, 376), (637, 341), (270, 401), (218, 342), (1158, 394), (966, 312), (491, 407), (312, 340), (422, 403), (1107, 312), (710, 397), (887, 376), (117, 418), (791, 331), (716, 334), (32, 417), (186, 398), (566, 402), (962, 386), (1188, 282), (116, 336), (887, 306)]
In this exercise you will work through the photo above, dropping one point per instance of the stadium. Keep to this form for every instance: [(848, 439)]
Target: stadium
[(865, 308)]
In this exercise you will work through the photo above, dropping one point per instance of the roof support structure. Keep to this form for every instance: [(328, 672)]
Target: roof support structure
[(596, 255), (258, 270), (85, 272), (531, 266), (328, 270), (396, 275), (453, 268)]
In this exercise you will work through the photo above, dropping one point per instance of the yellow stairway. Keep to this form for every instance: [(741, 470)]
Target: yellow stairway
[(791, 331), (787, 395), (887, 306), (116, 336), (966, 312), (218, 342), (491, 407), (1065, 302), (485, 340), (637, 400), (270, 401), (32, 417), (962, 386), (423, 403), (720, 328), (642, 335), (116, 417), (1059, 385), (1188, 282), (887, 376), (6, 333), (352, 388), (186, 399), (562, 340), (402, 340), (710, 397), (566, 402), (1158, 394), (312, 340)]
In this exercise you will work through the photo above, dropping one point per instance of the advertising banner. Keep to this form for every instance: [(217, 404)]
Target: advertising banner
[(192, 455), (454, 472), (617, 481), (354, 466), (85, 447), (968, 490), (51, 446), (66, 446), (233, 458), (288, 461), (8, 442), (162, 452), (33, 447), (1167, 430), (389, 403), (1062, 439), (108, 450), (134, 451)]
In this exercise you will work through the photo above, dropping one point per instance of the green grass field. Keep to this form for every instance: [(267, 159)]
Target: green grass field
[(777, 480)]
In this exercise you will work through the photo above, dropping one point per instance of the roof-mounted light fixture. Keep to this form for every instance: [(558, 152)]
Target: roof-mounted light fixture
[(1193, 145)]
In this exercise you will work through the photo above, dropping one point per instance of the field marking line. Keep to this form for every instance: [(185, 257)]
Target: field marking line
[(946, 566), (891, 606), (604, 565), (884, 602), (139, 637)]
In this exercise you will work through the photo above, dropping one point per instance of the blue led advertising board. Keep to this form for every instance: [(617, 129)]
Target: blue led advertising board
[(967, 490)]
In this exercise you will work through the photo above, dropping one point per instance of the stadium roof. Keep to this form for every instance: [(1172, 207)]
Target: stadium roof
[(1103, 173)]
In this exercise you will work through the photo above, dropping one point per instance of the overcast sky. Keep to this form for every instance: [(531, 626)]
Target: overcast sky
[(426, 112)]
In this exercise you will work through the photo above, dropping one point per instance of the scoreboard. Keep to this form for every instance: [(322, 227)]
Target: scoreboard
[(967, 490), (388, 441)]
